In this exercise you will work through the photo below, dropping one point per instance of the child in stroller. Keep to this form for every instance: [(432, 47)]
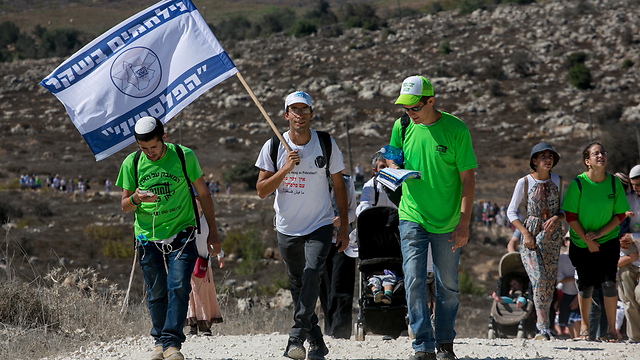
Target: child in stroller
[(380, 280), (516, 294), (506, 319)]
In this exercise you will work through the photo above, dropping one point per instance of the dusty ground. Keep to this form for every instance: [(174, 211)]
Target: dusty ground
[(272, 346)]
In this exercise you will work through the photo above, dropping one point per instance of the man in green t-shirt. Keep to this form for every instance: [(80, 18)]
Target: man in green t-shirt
[(434, 209), (154, 186)]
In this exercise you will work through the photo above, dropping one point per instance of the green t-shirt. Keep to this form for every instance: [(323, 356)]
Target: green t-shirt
[(166, 179), (595, 205), (440, 151)]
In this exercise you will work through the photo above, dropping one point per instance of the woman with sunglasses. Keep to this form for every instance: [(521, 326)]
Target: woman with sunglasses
[(595, 204), (541, 231)]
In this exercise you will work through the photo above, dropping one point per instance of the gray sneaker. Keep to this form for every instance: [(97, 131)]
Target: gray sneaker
[(317, 349), (295, 349), (423, 355), (445, 351)]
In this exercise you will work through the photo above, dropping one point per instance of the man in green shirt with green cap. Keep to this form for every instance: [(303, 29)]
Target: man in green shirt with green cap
[(434, 209)]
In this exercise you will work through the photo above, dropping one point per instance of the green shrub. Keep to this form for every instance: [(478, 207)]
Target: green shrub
[(104, 233), (361, 16), (435, 7), (235, 28), (321, 15), (118, 249), (61, 42), (627, 63), (248, 246), (494, 89), (9, 212), (9, 33), (575, 59), (277, 21), (466, 285), (478, 93), (445, 48), (243, 171), (302, 27), (493, 69), (580, 76), (469, 6)]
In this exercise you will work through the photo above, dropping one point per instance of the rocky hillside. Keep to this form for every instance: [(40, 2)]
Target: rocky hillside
[(503, 71)]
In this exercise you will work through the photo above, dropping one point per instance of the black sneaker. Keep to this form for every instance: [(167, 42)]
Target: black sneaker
[(295, 349), (386, 299), (317, 349), (445, 351), (423, 355)]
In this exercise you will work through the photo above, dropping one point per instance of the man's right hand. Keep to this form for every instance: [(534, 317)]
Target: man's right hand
[(142, 197), (292, 160)]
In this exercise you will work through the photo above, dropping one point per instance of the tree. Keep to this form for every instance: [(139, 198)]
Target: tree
[(243, 171)]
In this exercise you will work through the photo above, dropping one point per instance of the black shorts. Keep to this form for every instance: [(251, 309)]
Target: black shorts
[(594, 268)]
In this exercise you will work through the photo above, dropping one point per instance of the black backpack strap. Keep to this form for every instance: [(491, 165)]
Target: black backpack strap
[(375, 189), (191, 190), (325, 144), (405, 120), (136, 160), (275, 144), (579, 185), (613, 186)]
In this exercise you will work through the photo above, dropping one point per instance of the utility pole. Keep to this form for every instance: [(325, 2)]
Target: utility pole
[(346, 121)]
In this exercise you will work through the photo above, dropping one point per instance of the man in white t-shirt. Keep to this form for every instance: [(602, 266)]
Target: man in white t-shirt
[(304, 216), (629, 289)]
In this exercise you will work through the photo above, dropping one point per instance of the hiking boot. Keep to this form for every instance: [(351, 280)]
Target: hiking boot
[(386, 299), (206, 332), (423, 355), (295, 349), (317, 350), (157, 353), (445, 351), (173, 353)]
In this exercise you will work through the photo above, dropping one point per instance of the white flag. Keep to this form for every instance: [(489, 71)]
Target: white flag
[(154, 63)]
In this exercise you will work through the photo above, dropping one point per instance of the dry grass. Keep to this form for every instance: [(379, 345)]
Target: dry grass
[(44, 315)]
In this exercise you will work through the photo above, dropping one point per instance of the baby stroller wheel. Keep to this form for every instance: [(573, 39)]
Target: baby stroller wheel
[(491, 334), (359, 331), (520, 334)]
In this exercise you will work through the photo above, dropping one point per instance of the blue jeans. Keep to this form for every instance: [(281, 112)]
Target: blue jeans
[(168, 293), (305, 257), (415, 244)]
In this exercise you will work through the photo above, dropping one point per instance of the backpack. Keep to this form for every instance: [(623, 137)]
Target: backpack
[(325, 145), (396, 195), (136, 160)]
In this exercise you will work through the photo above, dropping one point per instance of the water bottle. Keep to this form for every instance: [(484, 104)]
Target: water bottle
[(393, 153)]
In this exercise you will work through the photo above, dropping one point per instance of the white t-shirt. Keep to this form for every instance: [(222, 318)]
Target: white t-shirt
[(518, 194), (566, 269), (303, 202), (368, 197)]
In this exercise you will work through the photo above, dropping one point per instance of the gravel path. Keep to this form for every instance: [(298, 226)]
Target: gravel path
[(272, 346)]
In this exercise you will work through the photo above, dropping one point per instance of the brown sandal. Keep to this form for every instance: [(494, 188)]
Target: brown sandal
[(610, 337), (584, 335)]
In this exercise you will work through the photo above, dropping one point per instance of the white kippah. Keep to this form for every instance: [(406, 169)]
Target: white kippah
[(145, 125)]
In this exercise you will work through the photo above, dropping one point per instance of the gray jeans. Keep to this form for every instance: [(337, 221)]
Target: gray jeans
[(304, 257)]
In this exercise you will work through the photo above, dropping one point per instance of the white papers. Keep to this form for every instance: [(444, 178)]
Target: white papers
[(392, 178)]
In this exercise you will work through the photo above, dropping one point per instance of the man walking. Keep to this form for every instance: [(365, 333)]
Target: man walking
[(629, 289), (157, 187), (433, 210), (304, 215)]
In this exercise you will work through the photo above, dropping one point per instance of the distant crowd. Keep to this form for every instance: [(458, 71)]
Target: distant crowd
[(55, 182)]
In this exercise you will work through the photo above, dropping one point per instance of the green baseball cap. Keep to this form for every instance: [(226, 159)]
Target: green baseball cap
[(413, 88)]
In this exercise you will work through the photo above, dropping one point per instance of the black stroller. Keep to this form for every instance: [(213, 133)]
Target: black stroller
[(379, 248), (506, 319)]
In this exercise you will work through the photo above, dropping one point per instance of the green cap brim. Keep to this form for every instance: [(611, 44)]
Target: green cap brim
[(406, 99)]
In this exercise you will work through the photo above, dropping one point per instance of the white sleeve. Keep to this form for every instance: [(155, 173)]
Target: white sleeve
[(336, 161), (367, 198), (352, 199), (516, 198), (264, 161)]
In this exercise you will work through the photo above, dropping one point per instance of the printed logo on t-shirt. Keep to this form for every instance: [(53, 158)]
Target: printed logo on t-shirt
[(441, 149), (611, 196), (320, 161)]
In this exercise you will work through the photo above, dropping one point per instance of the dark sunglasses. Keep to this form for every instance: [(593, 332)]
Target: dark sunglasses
[(414, 109)]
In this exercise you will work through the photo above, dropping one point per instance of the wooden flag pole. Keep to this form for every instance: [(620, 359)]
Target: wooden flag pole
[(264, 113)]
